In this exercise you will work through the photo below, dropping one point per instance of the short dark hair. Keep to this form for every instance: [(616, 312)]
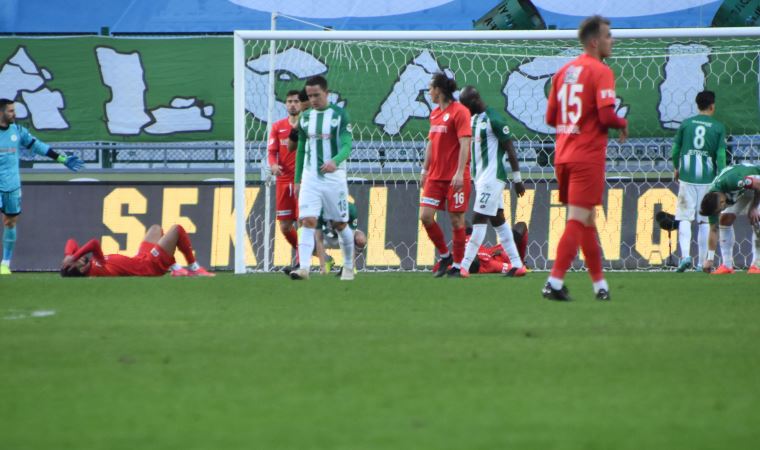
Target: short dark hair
[(302, 95), (710, 203), (317, 80), (293, 92), (5, 102), (447, 85), (591, 27), (705, 99), (71, 271)]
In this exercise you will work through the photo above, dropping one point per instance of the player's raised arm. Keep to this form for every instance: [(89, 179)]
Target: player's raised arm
[(92, 246), (38, 147)]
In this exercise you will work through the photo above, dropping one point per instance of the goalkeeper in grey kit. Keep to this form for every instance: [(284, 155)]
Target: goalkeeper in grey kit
[(13, 140)]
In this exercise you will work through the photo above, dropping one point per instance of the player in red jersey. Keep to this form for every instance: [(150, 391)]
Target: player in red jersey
[(582, 108), (282, 163), (154, 258), (446, 172)]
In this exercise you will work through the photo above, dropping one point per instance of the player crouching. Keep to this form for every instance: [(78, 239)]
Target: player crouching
[(154, 258)]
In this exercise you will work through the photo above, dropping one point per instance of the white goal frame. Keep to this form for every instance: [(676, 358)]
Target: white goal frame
[(240, 36)]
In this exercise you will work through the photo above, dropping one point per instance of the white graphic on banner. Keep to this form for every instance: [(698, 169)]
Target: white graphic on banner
[(684, 79), (526, 89), (328, 9), (290, 65), (21, 80), (126, 111), (409, 97)]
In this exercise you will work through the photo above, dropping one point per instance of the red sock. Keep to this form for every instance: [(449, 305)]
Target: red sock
[(458, 243), (567, 248), (436, 235), (592, 252), (184, 245), (292, 237)]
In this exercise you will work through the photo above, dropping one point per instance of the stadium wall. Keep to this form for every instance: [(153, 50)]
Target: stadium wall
[(119, 214)]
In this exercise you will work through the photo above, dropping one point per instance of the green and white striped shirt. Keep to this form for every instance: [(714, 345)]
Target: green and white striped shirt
[(699, 149), (323, 135), (488, 158)]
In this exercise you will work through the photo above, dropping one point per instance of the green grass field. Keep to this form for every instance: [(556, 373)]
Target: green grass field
[(390, 361)]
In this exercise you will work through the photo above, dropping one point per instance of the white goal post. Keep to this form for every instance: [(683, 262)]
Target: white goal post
[(475, 57)]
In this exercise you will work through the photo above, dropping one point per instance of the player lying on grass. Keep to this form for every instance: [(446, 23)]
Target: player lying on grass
[(154, 258), (735, 191), (495, 259)]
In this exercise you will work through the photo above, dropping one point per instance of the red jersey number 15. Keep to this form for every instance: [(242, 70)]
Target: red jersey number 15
[(569, 97)]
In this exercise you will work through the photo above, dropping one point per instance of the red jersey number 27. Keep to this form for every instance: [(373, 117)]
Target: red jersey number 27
[(570, 102)]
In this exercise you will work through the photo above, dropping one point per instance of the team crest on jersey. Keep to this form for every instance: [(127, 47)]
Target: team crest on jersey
[(350, 128), (14, 138), (446, 117), (334, 123), (505, 130), (154, 252), (572, 74)]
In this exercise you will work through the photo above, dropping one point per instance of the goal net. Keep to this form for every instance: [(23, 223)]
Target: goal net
[(381, 79)]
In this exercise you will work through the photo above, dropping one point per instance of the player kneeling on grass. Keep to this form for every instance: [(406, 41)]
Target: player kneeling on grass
[(736, 190), (490, 142), (326, 236), (154, 258)]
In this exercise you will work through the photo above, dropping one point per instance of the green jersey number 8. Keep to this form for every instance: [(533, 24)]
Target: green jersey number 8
[(699, 137)]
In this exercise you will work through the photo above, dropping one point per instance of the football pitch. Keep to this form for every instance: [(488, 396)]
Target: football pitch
[(389, 361)]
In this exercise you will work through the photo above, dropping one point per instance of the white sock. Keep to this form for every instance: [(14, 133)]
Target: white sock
[(556, 283), (6, 262), (601, 284), (195, 266), (684, 238), (508, 242), (473, 245), (702, 238), (726, 234), (347, 246), (305, 247), (175, 266), (755, 245)]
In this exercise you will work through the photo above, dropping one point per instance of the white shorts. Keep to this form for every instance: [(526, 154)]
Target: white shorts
[(741, 207), (488, 197), (689, 201), (327, 197)]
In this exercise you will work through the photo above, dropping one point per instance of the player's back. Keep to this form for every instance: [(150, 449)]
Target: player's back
[(730, 180), (579, 90), (699, 138)]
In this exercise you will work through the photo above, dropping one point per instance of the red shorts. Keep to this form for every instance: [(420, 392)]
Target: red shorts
[(287, 201), (157, 261), (580, 184), (436, 194)]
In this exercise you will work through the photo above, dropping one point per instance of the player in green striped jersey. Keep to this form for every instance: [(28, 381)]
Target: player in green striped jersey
[(324, 145), (736, 190), (699, 154), (491, 146)]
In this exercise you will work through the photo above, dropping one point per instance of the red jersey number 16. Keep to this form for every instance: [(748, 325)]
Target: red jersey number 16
[(569, 97)]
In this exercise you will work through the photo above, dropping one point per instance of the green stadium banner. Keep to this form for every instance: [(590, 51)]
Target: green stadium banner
[(179, 89), (119, 215)]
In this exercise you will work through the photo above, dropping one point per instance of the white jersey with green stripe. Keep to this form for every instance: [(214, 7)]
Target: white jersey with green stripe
[(699, 139), (324, 132), (488, 158)]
